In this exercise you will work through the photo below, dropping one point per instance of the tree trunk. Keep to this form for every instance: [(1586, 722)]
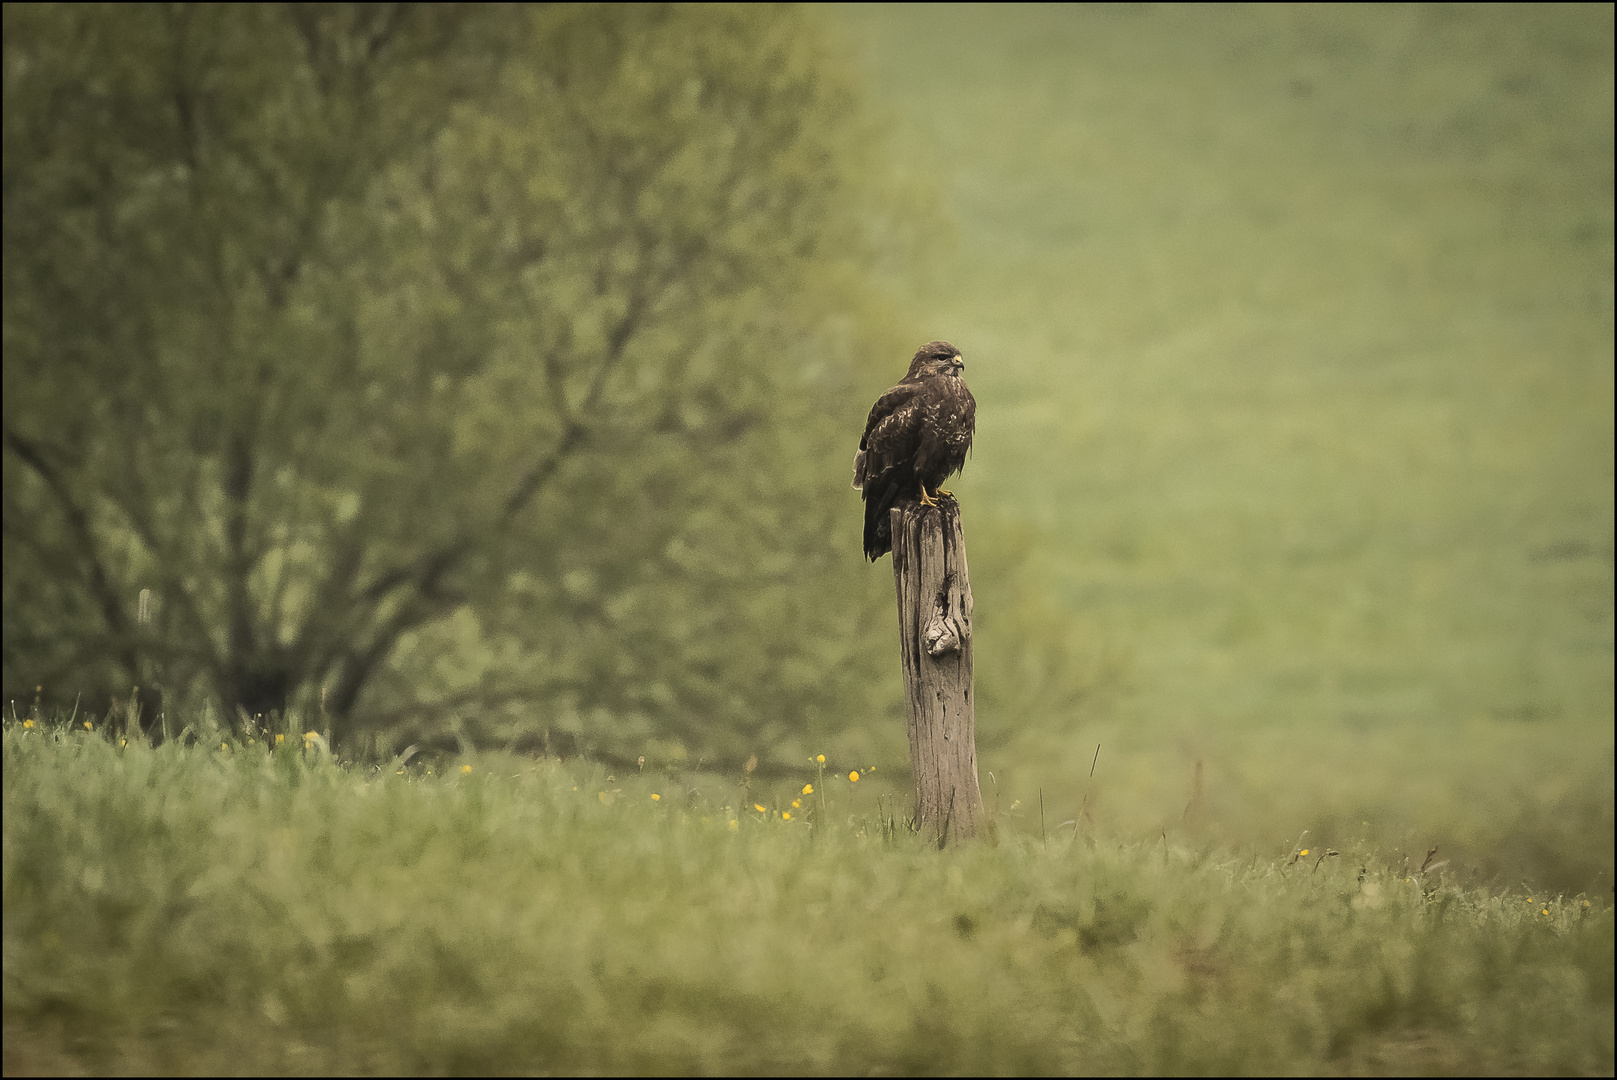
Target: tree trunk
[(934, 627)]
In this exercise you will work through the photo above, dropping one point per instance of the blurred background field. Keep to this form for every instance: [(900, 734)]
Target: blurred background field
[(1291, 333)]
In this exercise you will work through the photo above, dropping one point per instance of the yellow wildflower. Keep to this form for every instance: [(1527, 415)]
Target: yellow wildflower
[(1546, 911), (760, 808), (89, 726), (279, 738), (808, 789), (464, 769), (797, 803), (655, 797), (1303, 852), (734, 825), (853, 777), (786, 815), (820, 758), (27, 723)]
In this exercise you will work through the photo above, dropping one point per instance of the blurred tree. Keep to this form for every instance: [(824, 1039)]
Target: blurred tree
[(450, 364)]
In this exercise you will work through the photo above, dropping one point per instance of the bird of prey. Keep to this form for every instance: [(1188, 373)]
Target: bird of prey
[(918, 433)]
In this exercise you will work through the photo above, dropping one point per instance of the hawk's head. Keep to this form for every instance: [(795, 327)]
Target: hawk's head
[(936, 358)]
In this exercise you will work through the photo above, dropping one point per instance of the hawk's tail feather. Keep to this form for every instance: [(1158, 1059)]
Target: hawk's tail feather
[(881, 495)]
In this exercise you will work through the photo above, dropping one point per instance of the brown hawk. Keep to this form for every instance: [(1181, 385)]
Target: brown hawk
[(919, 432)]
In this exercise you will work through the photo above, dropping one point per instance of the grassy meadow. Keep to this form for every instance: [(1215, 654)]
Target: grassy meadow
[(1291, 333), (218, 906)]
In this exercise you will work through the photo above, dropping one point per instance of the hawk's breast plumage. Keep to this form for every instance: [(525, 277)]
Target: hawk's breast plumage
[(918, 433)]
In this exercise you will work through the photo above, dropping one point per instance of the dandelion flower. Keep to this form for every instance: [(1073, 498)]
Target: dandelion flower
[(655, 797), (853, 777), (1303, 852), (808, 789), (224, 746), (1546, 911), (464, 769), (89, 726), (786, 815), (760, 808), (796, 803), (27, 723), (820, 758), (279, 739)]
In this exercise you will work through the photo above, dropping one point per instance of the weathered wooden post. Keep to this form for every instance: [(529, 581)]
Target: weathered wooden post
[(934, 627)]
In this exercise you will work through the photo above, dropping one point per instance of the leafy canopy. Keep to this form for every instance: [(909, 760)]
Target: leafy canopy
[(448, 365)]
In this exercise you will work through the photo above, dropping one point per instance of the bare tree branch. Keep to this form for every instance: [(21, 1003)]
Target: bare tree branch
[(78, 523), (424, 603)]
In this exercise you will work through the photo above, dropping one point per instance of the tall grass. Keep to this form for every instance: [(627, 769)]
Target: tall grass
[(213, 905)]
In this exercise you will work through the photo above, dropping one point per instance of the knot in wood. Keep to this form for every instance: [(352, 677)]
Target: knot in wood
[(949, 626), (941, 634)]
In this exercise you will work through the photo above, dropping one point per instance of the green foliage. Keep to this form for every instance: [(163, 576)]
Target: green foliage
[(453, 365), (199, 907)]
